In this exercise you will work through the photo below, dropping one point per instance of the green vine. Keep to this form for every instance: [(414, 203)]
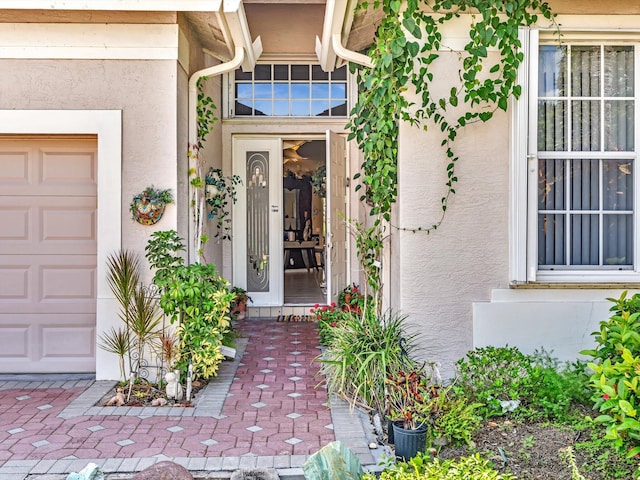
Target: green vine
[(220, 188), (406, 46), (220, 193)]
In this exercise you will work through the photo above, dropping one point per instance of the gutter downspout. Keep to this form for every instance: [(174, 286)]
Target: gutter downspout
[(349, 55), (232, 64), (331, 46)]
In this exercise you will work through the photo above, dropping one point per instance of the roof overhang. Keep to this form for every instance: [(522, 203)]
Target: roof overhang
[(221, 25)]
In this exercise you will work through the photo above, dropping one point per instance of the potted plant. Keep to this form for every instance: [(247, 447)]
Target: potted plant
[(411, 399), (238, 306), (148, 206)]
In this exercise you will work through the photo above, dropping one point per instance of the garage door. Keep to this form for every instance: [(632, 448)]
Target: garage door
[(47, 254)]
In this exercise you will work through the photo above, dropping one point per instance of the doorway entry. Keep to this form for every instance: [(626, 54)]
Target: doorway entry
[(289, 244), (304, 200)]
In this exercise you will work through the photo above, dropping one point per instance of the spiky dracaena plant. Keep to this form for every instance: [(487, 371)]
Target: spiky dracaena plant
[(123, 277), (118, 342), (144, 319)]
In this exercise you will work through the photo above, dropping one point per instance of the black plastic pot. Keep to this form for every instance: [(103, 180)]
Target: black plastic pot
[(409, 442)]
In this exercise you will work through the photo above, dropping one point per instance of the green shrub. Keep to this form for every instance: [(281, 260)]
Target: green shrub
[(455, 419), (422, 467), (540, 386), (197, 298), (615, 381), (328, 318), (489, 375), (557, 388)]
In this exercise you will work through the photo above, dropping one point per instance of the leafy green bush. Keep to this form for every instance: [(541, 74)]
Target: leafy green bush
[(455, 419), (536, 386), (557, 388), (196, 297), (615, 381), (422, 467), (489, 375)]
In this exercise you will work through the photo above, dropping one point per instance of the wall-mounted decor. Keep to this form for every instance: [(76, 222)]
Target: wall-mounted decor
[(148, 206)]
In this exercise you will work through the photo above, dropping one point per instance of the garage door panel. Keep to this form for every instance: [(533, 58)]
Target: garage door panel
[(67, 169), (69, 224), (14, 168), (14, 341), (15, 223), (14, 283), (48, 225), (47, 284), (47, 343), (64, 341), (68, 283)]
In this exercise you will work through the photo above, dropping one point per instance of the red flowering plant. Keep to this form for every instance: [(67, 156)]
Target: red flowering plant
[(328, 318), (411, 397), (351, 299)]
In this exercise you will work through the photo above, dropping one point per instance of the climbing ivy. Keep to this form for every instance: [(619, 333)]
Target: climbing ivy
[(224, 191), (406, 46)]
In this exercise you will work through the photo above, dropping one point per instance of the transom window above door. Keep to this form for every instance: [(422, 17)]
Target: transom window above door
[(290, 90)]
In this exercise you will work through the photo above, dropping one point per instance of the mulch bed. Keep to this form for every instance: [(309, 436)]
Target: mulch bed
[(143, 393)]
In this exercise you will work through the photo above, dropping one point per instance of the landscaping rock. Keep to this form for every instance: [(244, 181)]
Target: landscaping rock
[(333, 462), (255, 474), (90, 472), (164, 471)]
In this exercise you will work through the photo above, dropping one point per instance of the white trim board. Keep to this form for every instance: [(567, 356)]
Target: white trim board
[(124, 5), (89, 41)]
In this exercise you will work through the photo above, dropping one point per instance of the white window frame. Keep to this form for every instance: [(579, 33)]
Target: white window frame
[(523, 235)]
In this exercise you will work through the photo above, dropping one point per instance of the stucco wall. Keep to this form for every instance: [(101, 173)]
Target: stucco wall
[(135, 87), (438, 276), (455, 283)]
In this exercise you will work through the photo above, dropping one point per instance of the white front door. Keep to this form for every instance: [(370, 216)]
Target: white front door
[(257, 219), (336, 261), (258, 227)]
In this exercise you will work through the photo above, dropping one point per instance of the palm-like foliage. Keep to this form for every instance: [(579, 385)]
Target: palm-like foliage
[(123, 276), (143, 320), (117, 341)]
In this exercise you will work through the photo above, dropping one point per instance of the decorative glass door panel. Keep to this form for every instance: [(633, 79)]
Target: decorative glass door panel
[(257, 221), (258, 265)]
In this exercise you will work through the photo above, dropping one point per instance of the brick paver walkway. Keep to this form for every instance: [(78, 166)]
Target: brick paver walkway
[(273, 416)]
